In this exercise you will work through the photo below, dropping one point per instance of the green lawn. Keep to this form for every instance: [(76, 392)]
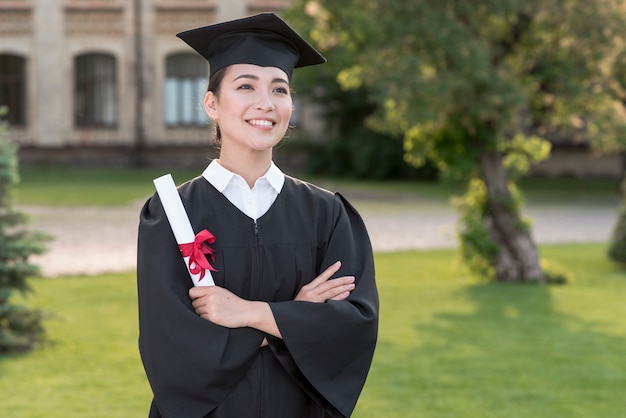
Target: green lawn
[(91, 367), (452, 348), (448, 346), (119, 186), (90, 186)]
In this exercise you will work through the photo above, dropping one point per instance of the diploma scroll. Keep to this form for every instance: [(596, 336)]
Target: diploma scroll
[(181, 227)]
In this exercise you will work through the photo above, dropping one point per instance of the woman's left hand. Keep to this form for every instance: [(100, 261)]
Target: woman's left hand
[(220, 306)]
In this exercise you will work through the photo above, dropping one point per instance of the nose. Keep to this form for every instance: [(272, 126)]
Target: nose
[(265, 102)]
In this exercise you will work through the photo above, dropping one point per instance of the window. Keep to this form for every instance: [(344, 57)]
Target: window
[(95, 92), (185, 85), (13, 88)]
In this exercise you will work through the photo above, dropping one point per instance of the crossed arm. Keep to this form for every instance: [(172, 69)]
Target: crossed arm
[(224, 308)]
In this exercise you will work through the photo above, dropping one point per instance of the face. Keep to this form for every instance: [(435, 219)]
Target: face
[(252, 108)]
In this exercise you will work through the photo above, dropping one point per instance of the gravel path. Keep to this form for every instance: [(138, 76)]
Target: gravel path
[(92, 240)]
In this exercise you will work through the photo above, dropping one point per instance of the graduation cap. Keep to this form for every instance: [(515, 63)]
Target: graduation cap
[(264, 39)]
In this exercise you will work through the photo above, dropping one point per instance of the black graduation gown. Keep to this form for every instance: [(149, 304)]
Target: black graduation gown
[(199, 369)]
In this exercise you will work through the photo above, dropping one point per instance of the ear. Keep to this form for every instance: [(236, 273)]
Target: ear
[(210, 105)]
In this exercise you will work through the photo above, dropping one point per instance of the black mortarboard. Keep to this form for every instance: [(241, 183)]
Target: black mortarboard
[(264, 39)]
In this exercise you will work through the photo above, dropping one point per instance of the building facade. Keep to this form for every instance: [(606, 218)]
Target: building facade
[(107, 76), (107, 81)]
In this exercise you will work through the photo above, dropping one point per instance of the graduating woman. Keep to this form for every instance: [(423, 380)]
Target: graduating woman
[(290, 327)]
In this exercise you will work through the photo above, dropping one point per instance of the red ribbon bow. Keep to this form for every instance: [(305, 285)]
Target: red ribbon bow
[(196, 251)]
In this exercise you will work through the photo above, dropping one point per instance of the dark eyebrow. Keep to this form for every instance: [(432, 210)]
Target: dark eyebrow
[(253, 77)]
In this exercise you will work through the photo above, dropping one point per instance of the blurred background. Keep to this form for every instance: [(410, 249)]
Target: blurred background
[(106, 82), (482, 142)]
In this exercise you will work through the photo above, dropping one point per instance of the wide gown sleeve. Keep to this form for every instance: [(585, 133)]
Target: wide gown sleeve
[(191, 363), (332, 344)]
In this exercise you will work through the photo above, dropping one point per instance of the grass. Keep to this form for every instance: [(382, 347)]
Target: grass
[(453, 348), (91, 366), (573, 190), (59, 186), (448, 346), (56, 186)]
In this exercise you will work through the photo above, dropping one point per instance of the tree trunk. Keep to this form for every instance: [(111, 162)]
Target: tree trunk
[(517, 259)]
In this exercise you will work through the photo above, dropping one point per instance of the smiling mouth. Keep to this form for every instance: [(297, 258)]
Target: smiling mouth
[(262, 123)]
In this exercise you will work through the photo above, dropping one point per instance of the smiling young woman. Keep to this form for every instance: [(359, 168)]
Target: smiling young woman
[(252, 109), (290, 327)]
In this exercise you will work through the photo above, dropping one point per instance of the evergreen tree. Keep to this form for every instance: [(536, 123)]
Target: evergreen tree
[(20, 327)]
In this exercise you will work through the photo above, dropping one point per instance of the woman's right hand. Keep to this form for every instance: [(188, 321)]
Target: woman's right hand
[(322, 288)]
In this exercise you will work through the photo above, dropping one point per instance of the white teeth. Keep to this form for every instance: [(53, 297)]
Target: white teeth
[(259, 122)]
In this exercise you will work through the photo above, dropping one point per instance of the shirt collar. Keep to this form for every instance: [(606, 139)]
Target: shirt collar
[(275, 177), (220, 177)]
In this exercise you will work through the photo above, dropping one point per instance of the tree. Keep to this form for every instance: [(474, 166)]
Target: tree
[(611, 136), (20, 328), (476, 88), (349, 148)]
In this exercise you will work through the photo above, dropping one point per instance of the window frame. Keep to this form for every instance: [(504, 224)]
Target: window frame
[(96, 98), (13, 82), (184, 86)]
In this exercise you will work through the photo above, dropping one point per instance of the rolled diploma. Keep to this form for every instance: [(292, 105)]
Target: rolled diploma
[(179, 222)]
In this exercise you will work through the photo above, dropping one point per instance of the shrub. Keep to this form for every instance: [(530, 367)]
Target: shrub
[(20, 328), (617, 247)]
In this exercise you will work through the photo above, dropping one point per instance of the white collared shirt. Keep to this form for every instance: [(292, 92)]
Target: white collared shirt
[(255, 201)]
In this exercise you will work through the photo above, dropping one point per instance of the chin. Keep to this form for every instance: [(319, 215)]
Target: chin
[(264, 146), (264, 143)]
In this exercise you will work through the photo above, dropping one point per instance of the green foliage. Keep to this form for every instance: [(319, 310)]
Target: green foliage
[(617, 248), (477, 248), (363, 155), (521, 153), (351, 148), (555, 273), (462, 80), (20, 328), (445, 75), (611, 137)]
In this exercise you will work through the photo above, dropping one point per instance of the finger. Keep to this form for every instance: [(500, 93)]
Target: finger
[(325, 275), (195, 293), (339, 290), (197, 303), (342, 296), (200, 291), (329, 285)]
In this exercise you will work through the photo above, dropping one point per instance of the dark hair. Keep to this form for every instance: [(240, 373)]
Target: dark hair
[(215, 85)]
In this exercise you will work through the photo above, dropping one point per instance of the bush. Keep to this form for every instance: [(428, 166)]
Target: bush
[(617, 247), (20, 328), (364, 154), (352, 148)]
